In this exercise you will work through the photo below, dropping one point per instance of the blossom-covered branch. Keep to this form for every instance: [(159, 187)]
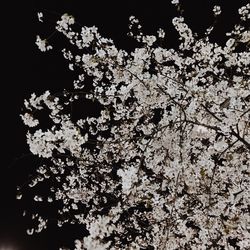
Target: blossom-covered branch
[(165, 163)]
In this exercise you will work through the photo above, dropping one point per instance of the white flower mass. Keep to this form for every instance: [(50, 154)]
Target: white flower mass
[(165, 165), (40, 16), (42, 44), (217, 10)]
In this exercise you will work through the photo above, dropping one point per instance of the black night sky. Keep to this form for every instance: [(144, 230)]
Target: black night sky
[(27, 70)]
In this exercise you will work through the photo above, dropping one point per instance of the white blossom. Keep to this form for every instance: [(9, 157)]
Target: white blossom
[(175, 1), (244, 12), (217, 10), (29, 120), (42, 44), (164, 162), (40, 16)]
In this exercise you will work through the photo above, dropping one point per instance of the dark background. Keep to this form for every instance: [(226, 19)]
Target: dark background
[(26, 70)]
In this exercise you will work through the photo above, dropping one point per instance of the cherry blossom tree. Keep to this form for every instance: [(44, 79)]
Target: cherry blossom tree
[(164, 161)]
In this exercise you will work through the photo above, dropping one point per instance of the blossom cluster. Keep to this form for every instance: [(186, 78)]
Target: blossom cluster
[(165, 165)]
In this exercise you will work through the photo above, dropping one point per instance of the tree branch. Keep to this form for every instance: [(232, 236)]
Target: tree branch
[(237, 135)]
